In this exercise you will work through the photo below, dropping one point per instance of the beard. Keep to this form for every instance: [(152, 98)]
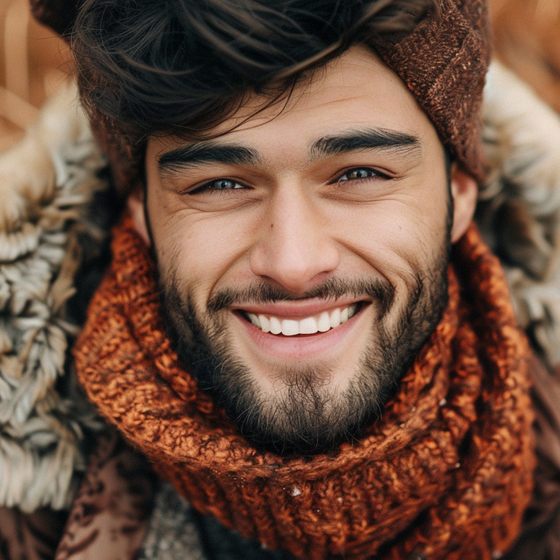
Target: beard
[(305, 415)]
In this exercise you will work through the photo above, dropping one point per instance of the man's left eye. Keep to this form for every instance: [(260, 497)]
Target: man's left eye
[(361, 173), (224, 184)]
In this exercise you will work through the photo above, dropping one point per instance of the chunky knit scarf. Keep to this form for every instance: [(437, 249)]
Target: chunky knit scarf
[(445, 474)]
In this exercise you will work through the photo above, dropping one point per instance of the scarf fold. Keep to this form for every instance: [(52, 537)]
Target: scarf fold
[(445, 474)]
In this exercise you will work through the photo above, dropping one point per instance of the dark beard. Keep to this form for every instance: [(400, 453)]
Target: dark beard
[(306, 417)]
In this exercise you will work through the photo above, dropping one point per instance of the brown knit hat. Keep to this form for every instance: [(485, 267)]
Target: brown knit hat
[(443, 62)]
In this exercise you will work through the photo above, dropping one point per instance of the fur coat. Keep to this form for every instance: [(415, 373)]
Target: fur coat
[(56, 208)]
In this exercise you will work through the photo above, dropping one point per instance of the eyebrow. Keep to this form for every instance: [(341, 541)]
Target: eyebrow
[(195, 154), (364, 140), (232, 154)]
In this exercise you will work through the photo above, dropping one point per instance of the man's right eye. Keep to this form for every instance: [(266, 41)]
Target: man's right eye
[(218, 185)]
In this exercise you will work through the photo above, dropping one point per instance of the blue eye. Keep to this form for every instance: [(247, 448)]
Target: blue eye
[(224, 184)]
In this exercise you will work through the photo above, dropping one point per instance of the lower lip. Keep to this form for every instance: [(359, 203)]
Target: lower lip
[(299, 346)]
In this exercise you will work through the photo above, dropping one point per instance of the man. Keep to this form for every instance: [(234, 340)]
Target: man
[(300, 328)]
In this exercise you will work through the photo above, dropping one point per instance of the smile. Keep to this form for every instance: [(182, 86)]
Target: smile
[(320, 323)]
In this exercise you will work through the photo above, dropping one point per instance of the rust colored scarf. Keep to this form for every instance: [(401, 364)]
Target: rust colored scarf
[(445, 474)]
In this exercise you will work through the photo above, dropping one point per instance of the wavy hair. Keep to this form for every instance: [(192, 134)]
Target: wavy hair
[(149, 67)]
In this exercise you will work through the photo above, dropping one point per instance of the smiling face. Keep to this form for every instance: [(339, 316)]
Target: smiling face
[(302, 254)]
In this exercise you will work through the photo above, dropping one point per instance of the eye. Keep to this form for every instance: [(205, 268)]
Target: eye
[(218, 185), (361, 173)]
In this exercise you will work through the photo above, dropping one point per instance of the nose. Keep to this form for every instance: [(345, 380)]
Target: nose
[(296, 248)]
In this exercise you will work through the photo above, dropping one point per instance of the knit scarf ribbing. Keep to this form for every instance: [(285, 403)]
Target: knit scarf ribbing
[(445, 474)]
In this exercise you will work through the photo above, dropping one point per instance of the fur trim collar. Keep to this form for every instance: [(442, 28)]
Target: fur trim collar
[(519, 208), (49, 181)]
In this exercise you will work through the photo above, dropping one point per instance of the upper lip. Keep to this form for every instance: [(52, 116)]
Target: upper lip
[(296, 309)]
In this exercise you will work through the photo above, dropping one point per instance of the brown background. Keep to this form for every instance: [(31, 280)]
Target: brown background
[(527, 39), (34, 63)]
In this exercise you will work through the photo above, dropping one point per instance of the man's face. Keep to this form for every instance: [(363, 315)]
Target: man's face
[(302, 255)]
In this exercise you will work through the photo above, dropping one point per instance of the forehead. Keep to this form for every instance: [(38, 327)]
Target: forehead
[(353, 91)]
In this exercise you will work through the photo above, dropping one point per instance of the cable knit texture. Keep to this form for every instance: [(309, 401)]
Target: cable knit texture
[(446, 473), (449, 87)]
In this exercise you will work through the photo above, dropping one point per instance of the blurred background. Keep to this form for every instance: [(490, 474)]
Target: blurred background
[(527, 39), (34, 63)]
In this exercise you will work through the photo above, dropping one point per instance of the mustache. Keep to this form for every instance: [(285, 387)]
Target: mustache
[(379, 290)]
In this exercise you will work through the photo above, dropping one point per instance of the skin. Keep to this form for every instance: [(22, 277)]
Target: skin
[(290, 217)]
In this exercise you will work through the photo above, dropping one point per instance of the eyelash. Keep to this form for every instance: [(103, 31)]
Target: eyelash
[(208, 187), (371, 171)]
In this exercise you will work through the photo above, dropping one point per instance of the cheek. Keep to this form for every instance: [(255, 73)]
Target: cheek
[(393, 236), (201, 251)]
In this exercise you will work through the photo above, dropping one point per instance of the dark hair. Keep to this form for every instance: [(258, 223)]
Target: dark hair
[(148, 67)]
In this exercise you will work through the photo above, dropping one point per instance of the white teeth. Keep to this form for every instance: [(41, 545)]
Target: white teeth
[(308, 326), (335, 318), (323, 322), (289, 327), (254, 319), (265, 323), (275, 326)]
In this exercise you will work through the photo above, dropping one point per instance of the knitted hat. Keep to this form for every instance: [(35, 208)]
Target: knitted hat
[(443, 62)]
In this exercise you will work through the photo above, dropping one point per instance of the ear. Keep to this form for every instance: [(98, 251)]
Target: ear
[(464, 191), (135, 205)]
